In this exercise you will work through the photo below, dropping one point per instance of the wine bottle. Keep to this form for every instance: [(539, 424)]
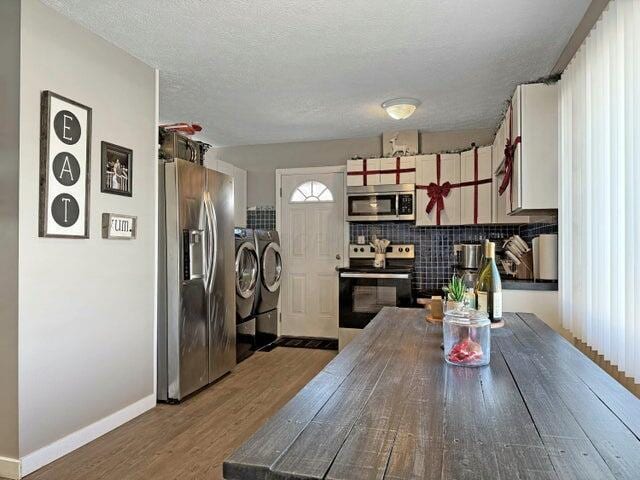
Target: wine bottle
[(489, 285)]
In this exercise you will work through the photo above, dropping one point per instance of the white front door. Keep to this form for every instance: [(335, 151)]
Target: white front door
[(312, 240)]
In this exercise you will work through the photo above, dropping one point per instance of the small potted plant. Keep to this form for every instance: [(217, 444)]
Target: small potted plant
[(455, 293)]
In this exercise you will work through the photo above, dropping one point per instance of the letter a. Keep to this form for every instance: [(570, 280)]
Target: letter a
[(66, 168)]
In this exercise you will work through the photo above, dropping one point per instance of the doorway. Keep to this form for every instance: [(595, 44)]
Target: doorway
[(311, 220)]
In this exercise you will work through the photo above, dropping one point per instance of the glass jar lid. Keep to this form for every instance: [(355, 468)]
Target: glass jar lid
[(467, 316)]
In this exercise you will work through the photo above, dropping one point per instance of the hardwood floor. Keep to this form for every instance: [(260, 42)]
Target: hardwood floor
[(191, 440)]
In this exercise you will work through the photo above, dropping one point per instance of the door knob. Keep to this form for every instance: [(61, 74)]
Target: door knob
[(338, 256)]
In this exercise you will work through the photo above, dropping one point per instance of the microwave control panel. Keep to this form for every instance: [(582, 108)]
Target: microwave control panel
[(405, 202)]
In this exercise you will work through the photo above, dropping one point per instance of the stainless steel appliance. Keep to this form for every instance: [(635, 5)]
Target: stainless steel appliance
[(468, 258), (247, 278), (270, 261), (381, 203), (364, 289), (196, 308)]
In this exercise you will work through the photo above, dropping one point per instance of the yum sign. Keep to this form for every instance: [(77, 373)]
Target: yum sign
[(65, 154)]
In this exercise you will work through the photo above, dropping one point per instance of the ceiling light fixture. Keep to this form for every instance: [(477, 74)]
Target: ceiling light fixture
[(401, 108)]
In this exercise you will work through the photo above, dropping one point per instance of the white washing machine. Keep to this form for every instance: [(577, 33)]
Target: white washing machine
[(247, 284)]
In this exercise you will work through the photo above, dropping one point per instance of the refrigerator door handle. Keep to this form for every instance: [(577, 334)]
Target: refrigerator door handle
[(209, 243), (212, 256)]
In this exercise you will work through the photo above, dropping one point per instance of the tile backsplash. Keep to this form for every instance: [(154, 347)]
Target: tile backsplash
[(434, 245), (262, 217)]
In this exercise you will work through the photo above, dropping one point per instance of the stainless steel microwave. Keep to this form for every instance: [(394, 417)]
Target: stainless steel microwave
[(381, 203)]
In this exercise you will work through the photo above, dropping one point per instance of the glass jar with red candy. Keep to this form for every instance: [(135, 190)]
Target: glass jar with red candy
[(467, 338)]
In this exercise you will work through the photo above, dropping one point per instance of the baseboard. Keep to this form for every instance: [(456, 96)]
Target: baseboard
[(75, 440), (9, 468)]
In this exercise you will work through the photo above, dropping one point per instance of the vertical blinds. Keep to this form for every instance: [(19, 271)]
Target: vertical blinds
[(600, 188)]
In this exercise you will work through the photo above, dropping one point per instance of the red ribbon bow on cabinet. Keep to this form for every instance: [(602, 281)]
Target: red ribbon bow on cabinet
[(437, 194), (509, 156)]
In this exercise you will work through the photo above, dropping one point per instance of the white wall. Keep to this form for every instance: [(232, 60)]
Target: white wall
[(86, 306), (261, 161), (9, 162)]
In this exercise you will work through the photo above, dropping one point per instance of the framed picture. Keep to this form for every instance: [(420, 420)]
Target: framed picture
[(117, 169), (65, 160)]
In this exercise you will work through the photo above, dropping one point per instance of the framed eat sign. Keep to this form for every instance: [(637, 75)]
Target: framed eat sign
[(65, 160)]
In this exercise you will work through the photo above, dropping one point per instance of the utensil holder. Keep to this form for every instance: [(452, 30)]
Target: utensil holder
[(380, 260)]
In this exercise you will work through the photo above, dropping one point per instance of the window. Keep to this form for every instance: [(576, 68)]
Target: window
[(311, 191), (599, 196)]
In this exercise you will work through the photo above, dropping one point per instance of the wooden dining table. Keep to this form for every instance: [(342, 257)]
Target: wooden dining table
[(389, 407)]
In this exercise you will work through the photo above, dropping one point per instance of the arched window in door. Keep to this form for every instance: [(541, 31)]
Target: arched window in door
[(311, 191)]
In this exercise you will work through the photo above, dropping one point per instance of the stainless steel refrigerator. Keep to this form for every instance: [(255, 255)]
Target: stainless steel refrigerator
[(196, 279)]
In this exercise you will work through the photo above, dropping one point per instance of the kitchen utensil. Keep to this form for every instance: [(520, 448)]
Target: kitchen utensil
[(509, 267), (380, 260), (513, 249), (512, 257), (521, 243)]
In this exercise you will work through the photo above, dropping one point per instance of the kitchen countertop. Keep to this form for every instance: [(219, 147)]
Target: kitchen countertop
[(388, 406), (540, 285)]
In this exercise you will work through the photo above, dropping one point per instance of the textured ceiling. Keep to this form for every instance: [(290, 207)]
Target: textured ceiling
[(265, 71)]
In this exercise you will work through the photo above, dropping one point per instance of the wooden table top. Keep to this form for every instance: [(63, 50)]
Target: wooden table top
[(388, 406)]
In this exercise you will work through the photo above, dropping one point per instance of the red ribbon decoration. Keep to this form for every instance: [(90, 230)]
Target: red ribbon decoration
[(364, 172), (475, 185), (364, 169), (397, 171), (509, 155), (437, 193)]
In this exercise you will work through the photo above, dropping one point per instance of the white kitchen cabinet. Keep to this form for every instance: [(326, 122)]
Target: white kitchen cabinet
[(500, 203), (476, 178), (363, 172), (397, 170), (240, 196), (443, 172), (533, 118)]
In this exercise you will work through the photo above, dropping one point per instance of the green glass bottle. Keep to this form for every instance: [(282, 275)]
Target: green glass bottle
[(489, 286)]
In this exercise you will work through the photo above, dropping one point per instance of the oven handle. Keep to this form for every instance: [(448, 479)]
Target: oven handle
[(373, 275)]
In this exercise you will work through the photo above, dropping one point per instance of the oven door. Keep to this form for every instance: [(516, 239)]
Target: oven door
[(372, 206), (362, 295)]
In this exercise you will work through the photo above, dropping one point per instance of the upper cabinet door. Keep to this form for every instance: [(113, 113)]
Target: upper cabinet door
[(437, 189), (532, 135), (240, 196), (394, 171), (538, 127), (514, 132), (476, 180), (363, 172), (501, 203)]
